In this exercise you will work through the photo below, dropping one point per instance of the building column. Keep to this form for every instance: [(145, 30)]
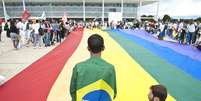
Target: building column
[(103, 11), (24, 7), (51, 11), (139, 10), (122, 7), (4, 10), (157, 12), (84, 12)]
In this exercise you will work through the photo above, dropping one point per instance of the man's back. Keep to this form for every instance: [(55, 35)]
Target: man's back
[(94, 71), (93, 79)]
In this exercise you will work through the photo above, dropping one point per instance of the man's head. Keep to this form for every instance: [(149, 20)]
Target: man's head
[(157, 93), (95, 44)]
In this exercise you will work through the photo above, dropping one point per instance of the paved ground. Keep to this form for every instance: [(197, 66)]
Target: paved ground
[(13, 61)]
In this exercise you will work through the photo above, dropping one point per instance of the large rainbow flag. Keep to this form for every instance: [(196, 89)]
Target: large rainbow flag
[(139, 59)]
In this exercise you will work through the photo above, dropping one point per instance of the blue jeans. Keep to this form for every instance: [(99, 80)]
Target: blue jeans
[(37, 40), (47, 39), (188, 38)]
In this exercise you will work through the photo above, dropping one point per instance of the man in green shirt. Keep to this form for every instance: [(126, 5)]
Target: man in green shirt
[(93, 79)]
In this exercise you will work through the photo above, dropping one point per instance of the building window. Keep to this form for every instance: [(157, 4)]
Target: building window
[(112, 10)]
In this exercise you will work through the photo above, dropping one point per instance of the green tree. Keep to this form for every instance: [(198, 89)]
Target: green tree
[(143, 16), (166, 18), (199, 19), (151, 16)]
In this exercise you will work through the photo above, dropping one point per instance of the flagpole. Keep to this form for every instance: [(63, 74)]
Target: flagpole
[(84, 16), (51, 12), (158, 7), (122, 7), (24, 7), (4, 10), (43, 16), (103, 11), (139, 9)]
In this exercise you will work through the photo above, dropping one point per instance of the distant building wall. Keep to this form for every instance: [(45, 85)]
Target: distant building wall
[(73, 10)]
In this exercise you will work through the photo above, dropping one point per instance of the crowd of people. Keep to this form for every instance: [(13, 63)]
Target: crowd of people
[(37, 33), (186, 32), (48, 32)]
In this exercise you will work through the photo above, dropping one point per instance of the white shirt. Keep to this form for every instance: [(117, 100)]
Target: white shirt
[(174, 26), (23, 26), (18, 25), (181, 25), (191, 28), (36, 28), (162, 26)]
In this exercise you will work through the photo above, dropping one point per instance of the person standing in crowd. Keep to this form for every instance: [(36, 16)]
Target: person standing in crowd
[(57, 31), (157, 93), (175, 30), (29, 30), (41, 33), (36, 27), (18, 25), (6, 28), (67, 26), (170, 29), (46, 38), (47, 33), (91, 71), (23, 32), (182, 32), (62, 30), (188, 37), (163, 29), (191, 30), (14, 33)]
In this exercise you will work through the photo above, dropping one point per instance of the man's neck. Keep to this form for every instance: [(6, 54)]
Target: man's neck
[(96, 54)]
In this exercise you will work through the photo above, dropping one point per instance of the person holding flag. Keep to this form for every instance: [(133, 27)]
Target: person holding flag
[(64, 18), (22, 25), (94, 79)]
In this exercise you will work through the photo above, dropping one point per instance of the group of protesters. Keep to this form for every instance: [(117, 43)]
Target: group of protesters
[(186, 32), (38, 33), (49, 32)]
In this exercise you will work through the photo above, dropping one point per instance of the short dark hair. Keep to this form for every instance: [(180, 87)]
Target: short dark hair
[(96, 43), (159, 91)]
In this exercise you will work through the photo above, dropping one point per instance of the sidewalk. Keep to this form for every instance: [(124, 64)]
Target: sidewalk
[(13, 61)]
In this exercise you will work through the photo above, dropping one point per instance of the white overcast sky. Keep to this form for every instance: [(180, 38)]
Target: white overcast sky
[(174, 8)]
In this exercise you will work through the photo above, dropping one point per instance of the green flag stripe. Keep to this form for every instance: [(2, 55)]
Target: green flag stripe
[(179, 84)]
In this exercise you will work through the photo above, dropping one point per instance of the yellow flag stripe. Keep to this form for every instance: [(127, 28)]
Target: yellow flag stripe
[(133, 81), (95, 86)]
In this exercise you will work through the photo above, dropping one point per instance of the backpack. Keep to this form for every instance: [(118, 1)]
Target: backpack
[(6, 27), (40, 30), (27, 26)]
